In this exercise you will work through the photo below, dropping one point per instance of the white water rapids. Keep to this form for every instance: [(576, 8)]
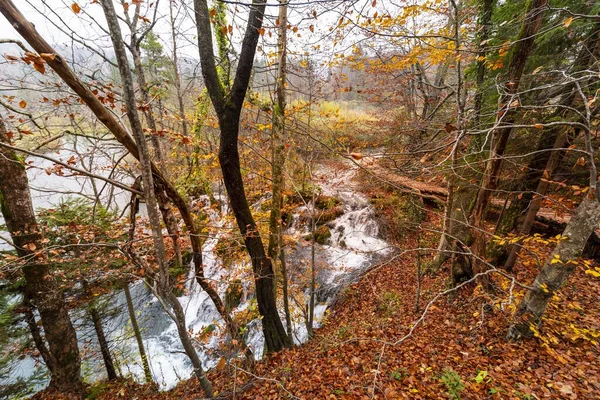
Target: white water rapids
[(353, 246)]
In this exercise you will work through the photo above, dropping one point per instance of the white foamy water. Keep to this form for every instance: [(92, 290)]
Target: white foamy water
[(352, 248)]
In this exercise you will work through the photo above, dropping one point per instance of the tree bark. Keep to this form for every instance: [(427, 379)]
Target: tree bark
[(536, 202), (41, 289), (527, 182), (506, 117), (485, 20), (102, 341), (559, 266), (138, 334), (228, 107), (275, 248), (164, 286)]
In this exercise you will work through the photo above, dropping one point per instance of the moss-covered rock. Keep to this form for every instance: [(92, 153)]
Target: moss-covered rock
[(326, 202), (233, 295), (398, 213), (322, 234), (326, 216)]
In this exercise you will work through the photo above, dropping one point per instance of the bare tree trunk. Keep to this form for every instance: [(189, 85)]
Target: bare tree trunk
[(536, 202), (102, 341), (484, 25), (62, 355), (527, 182), (164, 286), (138, 334), (448, 222), (178, 90), (505, 119), (228, 108), (286, 298), (275, 248), (313, 275)]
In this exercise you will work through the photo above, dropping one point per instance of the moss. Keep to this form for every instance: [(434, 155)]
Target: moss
[(326, 202), (322, 234), (398, 213), (233, 295), (329, 215)]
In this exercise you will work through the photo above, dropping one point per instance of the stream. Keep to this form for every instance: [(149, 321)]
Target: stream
[(352, 248)]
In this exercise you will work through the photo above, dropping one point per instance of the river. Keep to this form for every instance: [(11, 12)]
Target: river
[(354, 246)]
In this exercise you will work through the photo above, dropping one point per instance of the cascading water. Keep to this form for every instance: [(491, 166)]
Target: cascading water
[(352, 247)]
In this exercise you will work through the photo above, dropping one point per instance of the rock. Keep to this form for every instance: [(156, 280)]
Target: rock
[(233, 296), (322, 234)]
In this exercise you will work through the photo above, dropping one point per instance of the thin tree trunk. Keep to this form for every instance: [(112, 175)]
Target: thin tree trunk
[(38, 340), (275, 249), (102, 341), (138, 334), (313, 283), (180, 102), (527, 182), (164, 286), (536, 202), (41, 289), (448, 222), (507, 114), (284, 287), (485, 20)]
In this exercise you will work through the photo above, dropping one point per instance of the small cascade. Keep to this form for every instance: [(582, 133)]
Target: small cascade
[(352, 247)]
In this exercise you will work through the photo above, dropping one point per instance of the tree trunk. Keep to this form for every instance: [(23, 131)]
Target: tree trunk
[(559, 266), (275, 335), (138, 334), (527, 183), (506, 117), (484, 25), (102, 341), (536, 202), (228, 108), (177, 80), (41, 289), (164, 286), (275, 248)]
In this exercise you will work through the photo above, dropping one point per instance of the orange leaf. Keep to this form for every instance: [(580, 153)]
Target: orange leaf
[(568, 22), (48, 56), (39, 66), (22, 104), (75, 7)]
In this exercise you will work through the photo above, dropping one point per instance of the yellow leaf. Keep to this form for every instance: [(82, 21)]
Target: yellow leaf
[(75, 7)]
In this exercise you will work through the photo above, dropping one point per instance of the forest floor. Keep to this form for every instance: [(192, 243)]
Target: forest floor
[(365, 348)]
